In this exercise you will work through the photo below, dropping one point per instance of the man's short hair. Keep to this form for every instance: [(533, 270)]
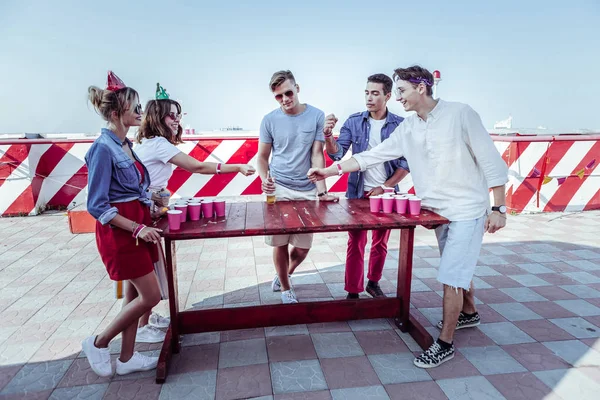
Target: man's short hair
[(385, 80), (415, 74), (279, 77)]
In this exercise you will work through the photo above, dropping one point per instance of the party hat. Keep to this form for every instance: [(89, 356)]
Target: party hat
[(161, 93), (113, 82)]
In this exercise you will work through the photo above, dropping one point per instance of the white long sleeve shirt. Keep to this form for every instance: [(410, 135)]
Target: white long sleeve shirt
[(453, 160)]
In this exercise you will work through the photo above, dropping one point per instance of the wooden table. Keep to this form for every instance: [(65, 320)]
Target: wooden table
[(259, 218)]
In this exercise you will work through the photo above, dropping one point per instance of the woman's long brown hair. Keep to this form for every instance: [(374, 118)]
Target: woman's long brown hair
[(154, 125)]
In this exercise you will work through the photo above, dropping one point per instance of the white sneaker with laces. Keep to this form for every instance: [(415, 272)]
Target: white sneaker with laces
[(138, 362), (149, 334), (159, 321), (276, 284), (99, 359), (288, 297)]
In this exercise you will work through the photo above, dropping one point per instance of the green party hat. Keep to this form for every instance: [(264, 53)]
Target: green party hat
[(161, 93)]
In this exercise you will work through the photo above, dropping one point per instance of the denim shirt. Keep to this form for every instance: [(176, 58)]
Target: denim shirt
[(112, 177), (355, 132)]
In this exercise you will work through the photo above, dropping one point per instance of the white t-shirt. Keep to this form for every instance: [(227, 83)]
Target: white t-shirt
[(375, 176), (155, 154)]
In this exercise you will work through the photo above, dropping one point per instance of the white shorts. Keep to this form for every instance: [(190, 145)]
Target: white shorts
[(302, 240), (460, 244)]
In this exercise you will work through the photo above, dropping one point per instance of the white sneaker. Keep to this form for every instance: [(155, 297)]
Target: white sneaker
[(288, 297), (276, 284), (99, 359), (138, 362), (159, 321), (149, 334)]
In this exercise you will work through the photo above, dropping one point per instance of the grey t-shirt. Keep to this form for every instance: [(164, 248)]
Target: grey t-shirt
[(292, 138)]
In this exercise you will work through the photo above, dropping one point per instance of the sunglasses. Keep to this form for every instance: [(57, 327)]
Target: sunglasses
[(138, 109), (173, 116), (289, 94)]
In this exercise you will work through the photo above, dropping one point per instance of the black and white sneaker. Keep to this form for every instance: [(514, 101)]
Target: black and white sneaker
[(434, 356), (464, 321)]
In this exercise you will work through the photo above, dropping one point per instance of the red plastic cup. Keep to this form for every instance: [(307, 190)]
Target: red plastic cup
[(219, 207), (207, 209), (388, 190), (414, 205), (183, 209), (174, 217), (375, 203), (387, 204), (194, 211), (401, 204)]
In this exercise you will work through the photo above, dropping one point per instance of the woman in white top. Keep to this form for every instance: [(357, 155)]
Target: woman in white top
[(158, 137)]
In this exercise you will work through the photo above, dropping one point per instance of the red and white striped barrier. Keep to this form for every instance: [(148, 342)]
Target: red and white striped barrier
[(40, 174)]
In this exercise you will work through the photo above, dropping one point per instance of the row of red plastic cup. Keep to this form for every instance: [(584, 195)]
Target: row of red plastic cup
[(402, 204), (194, 208)]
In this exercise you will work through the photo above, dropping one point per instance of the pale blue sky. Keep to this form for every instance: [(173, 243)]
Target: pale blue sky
[(537, 60)]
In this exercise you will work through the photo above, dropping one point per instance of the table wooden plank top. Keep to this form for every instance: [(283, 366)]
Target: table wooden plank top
[(287, 217)]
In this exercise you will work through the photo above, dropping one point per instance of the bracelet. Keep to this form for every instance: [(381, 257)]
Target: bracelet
[(138, 230), (134, 225), (339, 168), (328, 136), (322, 194), (218, 168)]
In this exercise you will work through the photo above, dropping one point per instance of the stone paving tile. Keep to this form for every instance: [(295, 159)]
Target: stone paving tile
[(349, 372), (548, 309), (329, 327), (523, 294), (397, 368), (316, 395), (290, 348), (579, 307), (145, 389), (415, 391), (362, 393), (242, 334), (88, 392), (458, 367), (334, 345), (200, 358), (543, 330), (488, 314), (474, 387), (574, 352), (243, 382), (471, 338), (582, 291), (569, 384), (199, 385), (515, 311), (535, 356), (37, 377), (553, 293), (505, 333), (529, 280), (242, 352), (369, 325), (491, 360), (195, 339), (578, 327), (520, 386), (493, 296), (297, 376), (380, 342), (286, 330), (7, 373), (80, 373)]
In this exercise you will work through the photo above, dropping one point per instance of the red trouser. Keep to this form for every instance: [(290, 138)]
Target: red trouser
[(355, 258)]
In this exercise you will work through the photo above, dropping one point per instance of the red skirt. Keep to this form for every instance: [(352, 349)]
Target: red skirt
[(122, 258)]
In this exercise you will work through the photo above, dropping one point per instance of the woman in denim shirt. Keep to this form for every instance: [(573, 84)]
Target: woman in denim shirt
[(117, 183)]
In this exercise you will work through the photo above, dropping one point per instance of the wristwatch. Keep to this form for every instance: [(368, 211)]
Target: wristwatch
[(322, 194), (500, 209)]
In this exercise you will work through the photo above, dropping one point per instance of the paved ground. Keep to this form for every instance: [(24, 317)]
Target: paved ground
[(538, 283)]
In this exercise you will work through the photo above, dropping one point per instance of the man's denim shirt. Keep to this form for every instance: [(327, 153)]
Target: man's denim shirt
[(355, 132), (112, 177)]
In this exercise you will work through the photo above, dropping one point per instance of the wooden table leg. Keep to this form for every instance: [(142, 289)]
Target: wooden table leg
[(405, 321), (164, 359), (173, 294)]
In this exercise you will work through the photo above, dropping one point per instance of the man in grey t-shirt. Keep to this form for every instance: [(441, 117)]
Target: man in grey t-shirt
[(293, 134)]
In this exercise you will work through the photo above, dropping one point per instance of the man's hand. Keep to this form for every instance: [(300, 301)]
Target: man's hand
[(494, 222), (330, 122), (268, 186), (317, 174), (376, 191), (328, 197)]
